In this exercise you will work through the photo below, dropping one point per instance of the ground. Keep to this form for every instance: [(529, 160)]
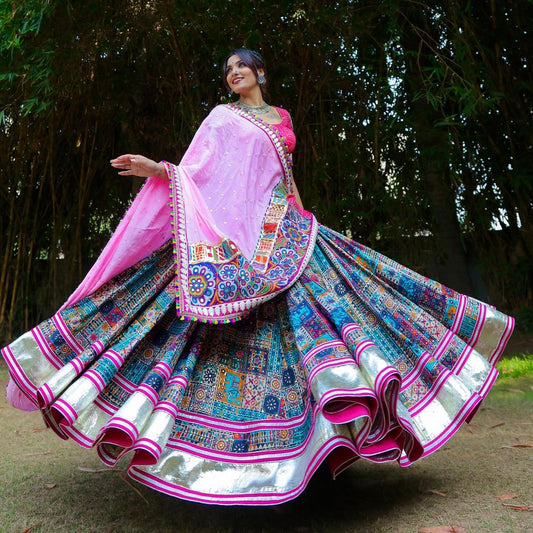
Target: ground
[(480, 481)]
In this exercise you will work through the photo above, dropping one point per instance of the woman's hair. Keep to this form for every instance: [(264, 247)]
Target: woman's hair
[(251, 59)]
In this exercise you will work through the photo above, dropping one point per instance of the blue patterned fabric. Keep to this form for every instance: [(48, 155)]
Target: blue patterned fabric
[(260, 389)]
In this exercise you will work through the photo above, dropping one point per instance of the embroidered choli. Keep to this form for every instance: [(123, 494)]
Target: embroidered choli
[(285, 129)]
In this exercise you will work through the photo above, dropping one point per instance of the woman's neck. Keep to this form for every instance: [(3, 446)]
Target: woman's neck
[(253, 99)]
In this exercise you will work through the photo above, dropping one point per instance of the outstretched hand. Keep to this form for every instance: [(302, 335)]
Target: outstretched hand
[(138, 165)]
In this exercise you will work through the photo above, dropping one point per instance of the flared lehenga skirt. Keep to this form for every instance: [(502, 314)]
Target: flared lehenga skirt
[(360, 358)]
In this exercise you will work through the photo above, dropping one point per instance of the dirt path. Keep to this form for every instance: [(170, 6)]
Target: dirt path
[(42, 485)]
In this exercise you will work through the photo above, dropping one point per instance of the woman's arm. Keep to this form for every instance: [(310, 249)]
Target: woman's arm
[(138, 165)]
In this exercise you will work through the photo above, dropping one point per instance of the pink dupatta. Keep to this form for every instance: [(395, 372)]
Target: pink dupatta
[(239, 238)]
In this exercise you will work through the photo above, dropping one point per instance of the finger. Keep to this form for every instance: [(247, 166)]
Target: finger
[(121, 164), (122, 158)]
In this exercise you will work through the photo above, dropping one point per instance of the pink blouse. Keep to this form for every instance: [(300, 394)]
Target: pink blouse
[(285, 129)]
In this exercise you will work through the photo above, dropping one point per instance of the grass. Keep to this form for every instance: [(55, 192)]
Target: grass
[(516, 366)]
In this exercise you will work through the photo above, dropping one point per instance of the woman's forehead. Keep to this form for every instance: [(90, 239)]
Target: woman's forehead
[(232, 60)]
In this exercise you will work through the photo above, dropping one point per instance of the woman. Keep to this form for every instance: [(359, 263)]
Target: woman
[(231, 344)]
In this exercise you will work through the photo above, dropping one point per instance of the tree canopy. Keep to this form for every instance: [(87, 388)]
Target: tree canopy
[(413, 122)]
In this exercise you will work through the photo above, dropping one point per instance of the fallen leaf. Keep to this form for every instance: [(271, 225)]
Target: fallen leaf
[(524, 445), (47, 452), (437, 492), (123, 477), (98, 470), (32, 527), (518, 507), (34, 430), (442, 529), (50, 485), (497, 425), (507, 496), (516, 391)]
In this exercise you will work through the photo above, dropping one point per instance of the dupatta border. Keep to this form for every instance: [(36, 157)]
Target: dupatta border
[(263, 283), (277, 140)]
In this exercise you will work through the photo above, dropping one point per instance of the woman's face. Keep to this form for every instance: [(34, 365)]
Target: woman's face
[(240, 78)]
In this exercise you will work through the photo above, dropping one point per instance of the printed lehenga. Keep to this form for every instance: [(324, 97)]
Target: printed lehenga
[(230, 344)]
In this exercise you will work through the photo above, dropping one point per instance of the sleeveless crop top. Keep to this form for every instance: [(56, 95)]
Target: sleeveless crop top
[(285, 129)]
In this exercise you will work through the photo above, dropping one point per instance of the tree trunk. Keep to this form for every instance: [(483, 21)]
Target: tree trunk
[(435, 153)]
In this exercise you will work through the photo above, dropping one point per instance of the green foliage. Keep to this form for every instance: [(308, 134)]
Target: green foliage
[(24, 66), (516, 367)]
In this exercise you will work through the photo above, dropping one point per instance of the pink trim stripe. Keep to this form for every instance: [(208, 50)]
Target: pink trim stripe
[(360, 348), (67, 412), (384, 378), (466, 410), (414, 374), (347, 329), (241, 499), (445, 435), (443, 344), (243, 427), (489, 382), (77, 365), (326, 364), (77, 436), (479, 325), (240, 458), (320, 348), (149, 392), (125, 383), (97, 346), (46, 394), (509, 327), (384, 446), (333, 395), (107, 459), (164, 368), (96, 379), (105, 406), (18, 375), (115, 358), (352, 411), (459, 314), (431, 394), (52, 358), (62, 326), (168, 407), (149, 446), (462, 359), (178, 380), (121, 424)]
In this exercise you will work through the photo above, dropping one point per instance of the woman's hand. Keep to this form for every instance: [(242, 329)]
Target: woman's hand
[(138, 165)]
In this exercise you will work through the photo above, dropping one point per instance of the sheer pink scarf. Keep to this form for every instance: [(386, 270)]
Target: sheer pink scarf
[(231, 211)]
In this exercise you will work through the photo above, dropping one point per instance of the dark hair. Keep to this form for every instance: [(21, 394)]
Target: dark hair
[(251, 59)]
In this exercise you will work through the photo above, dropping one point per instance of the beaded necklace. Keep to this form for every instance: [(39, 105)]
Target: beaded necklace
[(262, 109)]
